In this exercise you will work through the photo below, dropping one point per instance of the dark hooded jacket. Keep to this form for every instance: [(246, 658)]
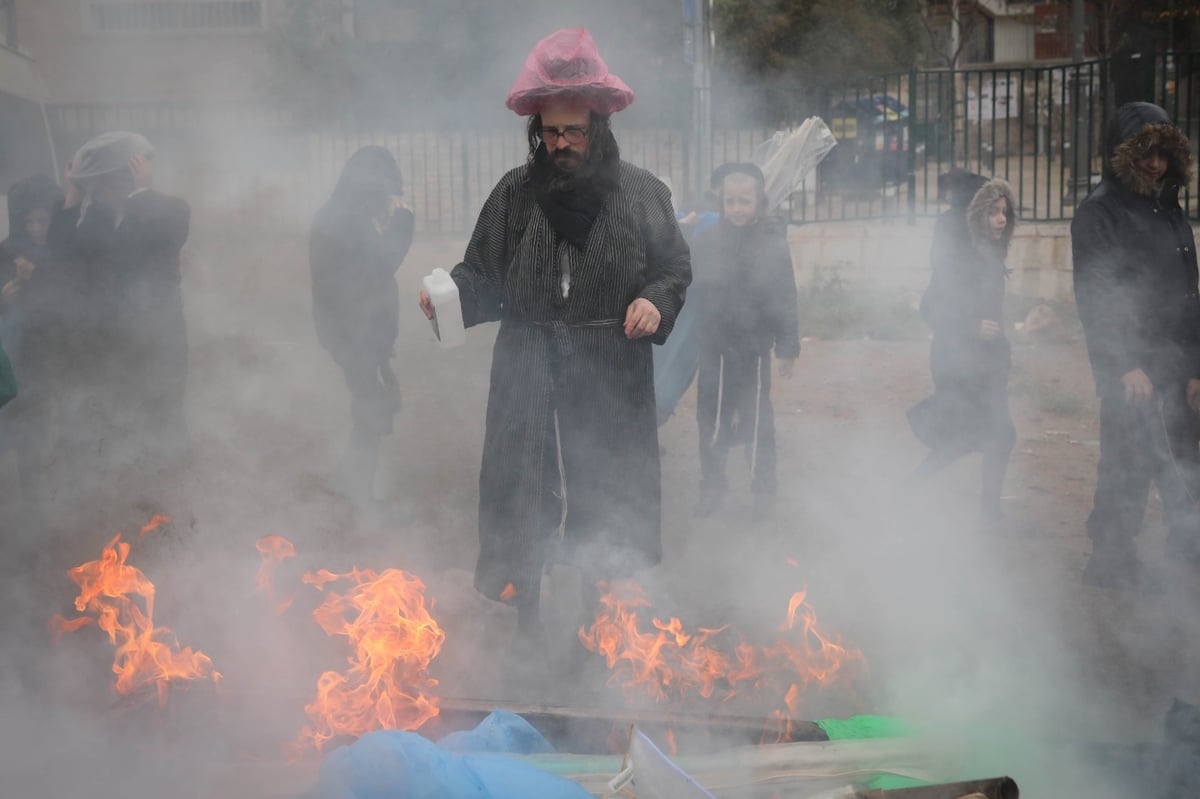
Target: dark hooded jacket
[(128, 327), (354, 257), (950, 235), (969, 407), (747, 287), (967, 287), (1135, 259), (36, 320)]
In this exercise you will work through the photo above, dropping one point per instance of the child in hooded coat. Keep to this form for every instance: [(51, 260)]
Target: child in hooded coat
[(747, 306), (358, 241), (970, 357), (33, 328)]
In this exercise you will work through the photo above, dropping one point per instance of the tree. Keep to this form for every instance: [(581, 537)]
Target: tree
[(818, 39), (950, 25)]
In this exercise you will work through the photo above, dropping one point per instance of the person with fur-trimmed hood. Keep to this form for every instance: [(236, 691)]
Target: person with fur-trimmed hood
[(970, 356), (1136, 290)]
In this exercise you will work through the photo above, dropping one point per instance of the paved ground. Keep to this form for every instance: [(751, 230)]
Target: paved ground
[(986, 636)]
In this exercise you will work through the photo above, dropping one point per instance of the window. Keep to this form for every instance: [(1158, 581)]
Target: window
[(173, 16)]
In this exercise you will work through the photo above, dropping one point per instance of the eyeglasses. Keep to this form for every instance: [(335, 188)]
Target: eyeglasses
[(573, 135)]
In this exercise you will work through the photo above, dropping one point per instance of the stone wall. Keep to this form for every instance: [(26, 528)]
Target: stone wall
[(896, 255)]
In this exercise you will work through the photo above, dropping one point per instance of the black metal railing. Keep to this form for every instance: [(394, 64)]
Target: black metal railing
[(1040, 127)]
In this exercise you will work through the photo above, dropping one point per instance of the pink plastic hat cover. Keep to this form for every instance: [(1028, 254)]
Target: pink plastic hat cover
[(567, 65)]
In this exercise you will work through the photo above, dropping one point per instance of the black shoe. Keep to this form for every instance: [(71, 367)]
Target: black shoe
[(708, 504)]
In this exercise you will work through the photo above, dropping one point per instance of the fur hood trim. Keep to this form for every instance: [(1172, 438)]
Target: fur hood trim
[(977, 217)]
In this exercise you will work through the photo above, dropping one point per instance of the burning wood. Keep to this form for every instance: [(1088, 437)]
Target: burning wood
[(667, 663), (146, 656), (393, 639)]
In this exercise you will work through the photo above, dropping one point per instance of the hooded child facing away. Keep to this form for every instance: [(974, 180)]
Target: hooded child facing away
[(358, 241), (1136, 290), (746, 306), (970, 356)]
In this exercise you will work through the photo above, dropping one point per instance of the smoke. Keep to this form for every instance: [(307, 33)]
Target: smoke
[(987, 642)]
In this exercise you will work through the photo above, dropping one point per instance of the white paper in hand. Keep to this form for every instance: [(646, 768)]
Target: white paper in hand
[(447, 309)]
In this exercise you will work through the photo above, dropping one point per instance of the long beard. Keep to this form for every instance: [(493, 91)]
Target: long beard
[(564, 172)]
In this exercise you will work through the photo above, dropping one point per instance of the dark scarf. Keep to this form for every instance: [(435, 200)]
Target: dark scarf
[(573, 206)]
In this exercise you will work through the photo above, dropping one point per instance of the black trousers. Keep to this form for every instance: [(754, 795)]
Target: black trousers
[(1139, 444), (733, 406)]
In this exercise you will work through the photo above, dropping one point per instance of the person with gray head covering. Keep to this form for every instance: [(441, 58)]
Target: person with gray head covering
[(120, 241), (108, 153)]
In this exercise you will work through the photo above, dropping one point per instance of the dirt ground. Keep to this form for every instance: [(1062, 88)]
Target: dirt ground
[(964, 628)]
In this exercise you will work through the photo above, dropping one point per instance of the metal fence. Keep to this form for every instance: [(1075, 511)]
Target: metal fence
[(1042, 128), (1038, 127)]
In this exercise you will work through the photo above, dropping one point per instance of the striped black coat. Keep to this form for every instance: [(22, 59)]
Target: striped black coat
[(567, 359)]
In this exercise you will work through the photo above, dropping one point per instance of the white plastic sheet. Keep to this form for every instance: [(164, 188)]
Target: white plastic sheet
[(788, 157), (649, 774)]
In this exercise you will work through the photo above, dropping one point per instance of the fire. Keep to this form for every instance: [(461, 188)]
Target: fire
[(274, 550), (393, 639), (509, 592), (146, 655), (156, 521), (667, 662)]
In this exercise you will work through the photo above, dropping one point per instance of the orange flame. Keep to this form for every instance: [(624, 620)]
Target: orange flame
[(145, 655), (156, 521), (274, 550), (669, 662), (509, 592), (393, 640)]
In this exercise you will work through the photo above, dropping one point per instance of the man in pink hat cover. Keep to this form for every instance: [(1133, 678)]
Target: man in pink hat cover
[(578, 255)]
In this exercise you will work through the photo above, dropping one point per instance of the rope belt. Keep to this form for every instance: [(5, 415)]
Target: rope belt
[(560, 331)]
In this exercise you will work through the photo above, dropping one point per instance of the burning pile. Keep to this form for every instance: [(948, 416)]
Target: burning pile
[(146, 655), (667, 663), (392, 639)]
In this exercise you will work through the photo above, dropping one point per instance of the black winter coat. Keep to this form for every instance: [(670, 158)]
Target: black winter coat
[(966, 288), (1135, 261), (130, 333), (746, 290), (355, 297), (563, 365), (35, 322), (969, 406)]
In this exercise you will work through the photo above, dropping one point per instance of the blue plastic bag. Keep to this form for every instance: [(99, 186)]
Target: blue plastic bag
[(675, 361), (501, 731), (392, 764)]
